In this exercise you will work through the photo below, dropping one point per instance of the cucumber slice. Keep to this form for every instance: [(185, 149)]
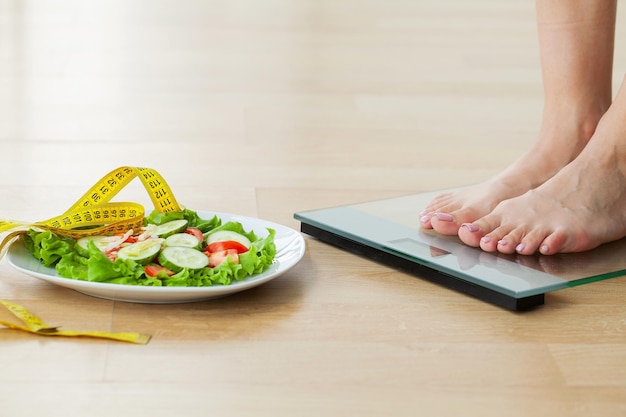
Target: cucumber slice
[(170, 228), (183, 239), (176, 258), (141, 252), (82, 244), (226, 235)]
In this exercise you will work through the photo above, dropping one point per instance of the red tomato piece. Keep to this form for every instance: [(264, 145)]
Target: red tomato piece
[(112, 254), (127, 239), (216, 258), (194, 231), (131, 239), (227, 245), (153, 270)]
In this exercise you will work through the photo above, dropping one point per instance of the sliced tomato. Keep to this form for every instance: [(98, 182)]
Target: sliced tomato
[(154, 270), (216, 258), (194, 231), (128, 238), (227, 245), (131, 239)]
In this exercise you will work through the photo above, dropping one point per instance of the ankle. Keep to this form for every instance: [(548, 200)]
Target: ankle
[(570, 127)]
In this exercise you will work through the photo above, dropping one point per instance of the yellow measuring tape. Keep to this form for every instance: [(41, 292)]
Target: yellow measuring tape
[(95, 209), (93, 214), (34, 324)]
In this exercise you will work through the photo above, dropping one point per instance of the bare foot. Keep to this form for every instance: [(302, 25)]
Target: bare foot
[(576, 44), (580, 208), (558, 144)]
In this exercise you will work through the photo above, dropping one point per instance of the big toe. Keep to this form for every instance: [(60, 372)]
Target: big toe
[(445, 224), (471, 234)]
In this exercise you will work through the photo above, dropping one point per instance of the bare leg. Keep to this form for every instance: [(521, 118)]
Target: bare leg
[(581, 207), (576, 40)]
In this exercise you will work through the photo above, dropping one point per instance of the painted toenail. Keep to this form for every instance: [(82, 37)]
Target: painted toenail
[(520, 247), (471, 227), (424, 219), (485, 239), (503, 242), (444, 217)]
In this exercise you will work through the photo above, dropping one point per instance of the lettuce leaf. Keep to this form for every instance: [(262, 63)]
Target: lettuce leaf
[(205, 225), (259, 257), (73, 266), (53, 250), (47, 246)]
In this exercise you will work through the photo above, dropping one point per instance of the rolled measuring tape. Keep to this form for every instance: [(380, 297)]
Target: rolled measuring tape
[(95, 214)]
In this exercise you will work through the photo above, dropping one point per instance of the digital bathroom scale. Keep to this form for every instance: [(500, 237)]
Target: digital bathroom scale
[(388, 231)]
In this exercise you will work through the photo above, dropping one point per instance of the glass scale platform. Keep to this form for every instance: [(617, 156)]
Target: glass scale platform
[(388, 231)]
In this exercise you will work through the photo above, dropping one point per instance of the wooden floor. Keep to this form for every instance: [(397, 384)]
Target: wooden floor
[(266, 108)]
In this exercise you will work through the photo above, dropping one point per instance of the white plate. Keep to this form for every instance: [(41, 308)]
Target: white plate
[(290, 249)]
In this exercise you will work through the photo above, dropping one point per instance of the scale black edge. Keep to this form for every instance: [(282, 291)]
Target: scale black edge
[(422, 271)]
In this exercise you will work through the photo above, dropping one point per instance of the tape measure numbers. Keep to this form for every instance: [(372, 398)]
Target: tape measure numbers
[(94, 214)]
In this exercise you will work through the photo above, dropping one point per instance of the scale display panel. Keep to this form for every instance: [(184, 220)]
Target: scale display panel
[(388, 231)]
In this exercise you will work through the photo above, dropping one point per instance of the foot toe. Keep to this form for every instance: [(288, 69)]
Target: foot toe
[(529, 244), (425, 221), (445, 223), (497, 239), (470, 234)]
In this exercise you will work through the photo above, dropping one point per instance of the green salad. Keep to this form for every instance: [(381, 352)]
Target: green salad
[(172, 249)]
